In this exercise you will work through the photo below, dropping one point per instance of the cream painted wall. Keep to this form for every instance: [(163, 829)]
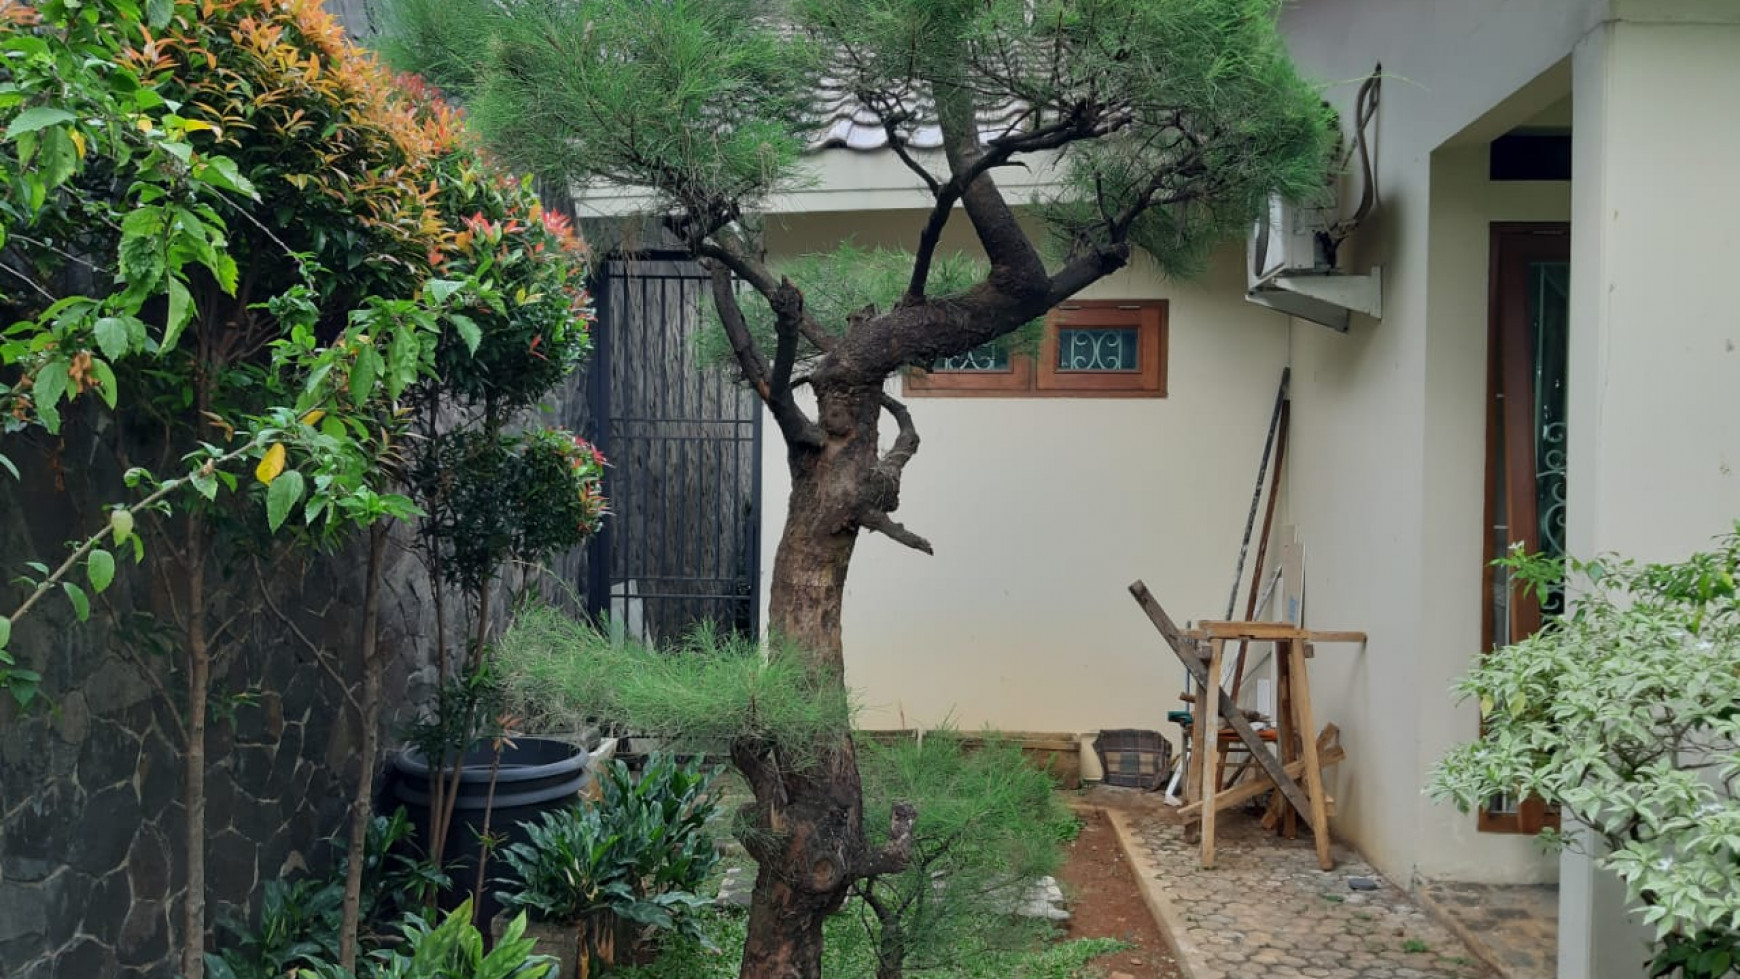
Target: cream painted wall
[(1044, 510), (1655, 347), (1463, 206), (1388, 506)]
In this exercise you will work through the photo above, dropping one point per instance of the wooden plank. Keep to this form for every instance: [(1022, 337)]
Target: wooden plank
[(1238, 673), (1313, 765), (1198, 747), (1175, 640), (1223, 629), (1244, 792), (1208, 725), (1335, 635)]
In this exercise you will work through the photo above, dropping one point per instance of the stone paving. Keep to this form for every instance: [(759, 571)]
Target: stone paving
[(1267, 910), (1514, 928)]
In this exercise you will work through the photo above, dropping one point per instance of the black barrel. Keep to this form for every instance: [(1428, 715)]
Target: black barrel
[(537, 775)]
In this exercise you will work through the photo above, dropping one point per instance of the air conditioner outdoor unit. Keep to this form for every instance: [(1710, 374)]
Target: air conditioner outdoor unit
[(1293, 268)]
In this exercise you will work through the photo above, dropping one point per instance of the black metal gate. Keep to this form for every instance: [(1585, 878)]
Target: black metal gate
[(682, 545)]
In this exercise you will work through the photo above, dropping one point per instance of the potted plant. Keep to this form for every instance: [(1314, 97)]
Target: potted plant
[(597, 882)]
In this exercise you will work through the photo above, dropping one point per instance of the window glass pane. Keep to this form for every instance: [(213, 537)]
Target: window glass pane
[(993, 356), (1097, 349)]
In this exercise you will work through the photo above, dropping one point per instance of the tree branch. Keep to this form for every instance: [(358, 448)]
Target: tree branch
[(788, 318), (1016, 268), (749, 359), (885, 525), (1084, 270), (774, 388), (906, 442), (897, 853), (946, 196), (891, 118), (761, 279)]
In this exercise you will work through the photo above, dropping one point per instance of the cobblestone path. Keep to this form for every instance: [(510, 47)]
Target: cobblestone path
[(1267, 910)]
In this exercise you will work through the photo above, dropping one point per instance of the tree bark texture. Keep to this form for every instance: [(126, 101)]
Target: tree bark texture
[(808, 824)]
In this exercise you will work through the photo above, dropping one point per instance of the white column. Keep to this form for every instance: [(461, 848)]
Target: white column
[(1654, 400)]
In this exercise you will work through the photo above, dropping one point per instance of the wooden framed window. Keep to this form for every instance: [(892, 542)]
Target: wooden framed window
[(1090, 349), (990, 370), (1525, 448)]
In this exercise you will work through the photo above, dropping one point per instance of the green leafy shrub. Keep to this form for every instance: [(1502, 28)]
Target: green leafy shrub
[(394, 883), (299, 922), (453, 949), (1710, 954), (1625, 714), (490, 497), (639, 854), (508, 353), (850, 955)]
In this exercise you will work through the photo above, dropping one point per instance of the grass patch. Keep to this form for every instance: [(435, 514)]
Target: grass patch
[(849, 955)]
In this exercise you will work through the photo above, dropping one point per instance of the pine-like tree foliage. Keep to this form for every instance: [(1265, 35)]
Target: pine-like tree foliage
[(706, 691), (1191, 102), (989, 826), (700, 100), (1174, 118)]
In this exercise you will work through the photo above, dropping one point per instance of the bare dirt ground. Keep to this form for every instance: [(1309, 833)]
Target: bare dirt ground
[(1104, 903)]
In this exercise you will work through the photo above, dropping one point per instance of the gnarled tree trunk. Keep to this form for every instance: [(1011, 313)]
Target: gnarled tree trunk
[(808, 830)]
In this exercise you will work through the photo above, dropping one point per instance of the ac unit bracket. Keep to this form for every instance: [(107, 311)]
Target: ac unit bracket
[(1329, 298)]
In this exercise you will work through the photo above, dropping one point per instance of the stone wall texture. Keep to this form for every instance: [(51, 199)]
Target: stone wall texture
[(91, 781)]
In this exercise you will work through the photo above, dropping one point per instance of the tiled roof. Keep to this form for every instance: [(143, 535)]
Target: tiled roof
[(845, 122)]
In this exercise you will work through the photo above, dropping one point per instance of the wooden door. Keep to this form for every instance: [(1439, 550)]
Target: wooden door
[(1525, 483)]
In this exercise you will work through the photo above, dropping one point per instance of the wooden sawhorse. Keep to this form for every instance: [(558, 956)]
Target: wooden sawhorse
[(1301, 754)]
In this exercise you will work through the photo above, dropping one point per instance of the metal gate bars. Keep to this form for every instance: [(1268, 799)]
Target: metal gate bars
[(682, 545)]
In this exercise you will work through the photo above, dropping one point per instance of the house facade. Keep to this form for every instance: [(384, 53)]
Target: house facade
[(1557, 211)]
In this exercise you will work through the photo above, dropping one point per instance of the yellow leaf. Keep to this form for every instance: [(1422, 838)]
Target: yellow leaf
[(144, 124), (271, 464), (1485, 706), (78, 140), (314, 417)]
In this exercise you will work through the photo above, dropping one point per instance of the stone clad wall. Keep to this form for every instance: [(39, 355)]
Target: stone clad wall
[(91, 812)]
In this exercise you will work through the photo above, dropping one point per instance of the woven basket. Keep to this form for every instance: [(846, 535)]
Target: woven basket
[(1134, 759)]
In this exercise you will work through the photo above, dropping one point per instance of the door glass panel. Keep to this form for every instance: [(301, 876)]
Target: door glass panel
[(1526, 489), (1549, 308)]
